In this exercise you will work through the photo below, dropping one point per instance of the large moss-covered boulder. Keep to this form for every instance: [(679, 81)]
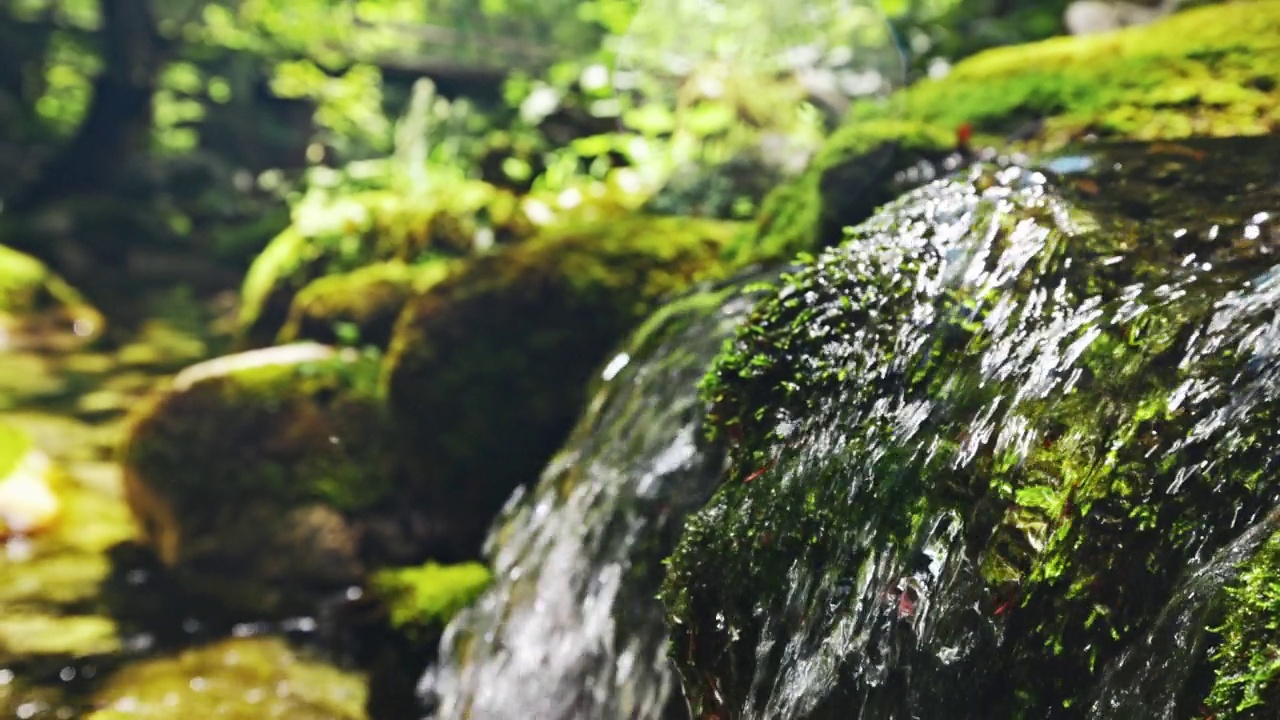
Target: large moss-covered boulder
[(489, 368), (997, 454), (359, 307), (37, 307), (253, 474), (1206, 71), (351, 232)]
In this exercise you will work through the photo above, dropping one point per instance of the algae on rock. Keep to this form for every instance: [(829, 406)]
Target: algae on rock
[(1218, 79), (488, 369), (975, 446)]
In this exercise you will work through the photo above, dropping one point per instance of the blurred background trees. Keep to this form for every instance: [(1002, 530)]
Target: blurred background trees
[(181, 123)]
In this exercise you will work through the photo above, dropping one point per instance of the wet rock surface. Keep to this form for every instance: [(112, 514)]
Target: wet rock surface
[(976, 446)]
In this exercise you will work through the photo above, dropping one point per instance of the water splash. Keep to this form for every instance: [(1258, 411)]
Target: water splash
[(571, 627)]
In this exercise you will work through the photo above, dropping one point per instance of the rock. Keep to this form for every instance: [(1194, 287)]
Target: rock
[(368, 228), (488, 369), (237, 679), (1090, 17), (359, 307), (39, 309), (251, 474), (1217, 79), (1007, 442)]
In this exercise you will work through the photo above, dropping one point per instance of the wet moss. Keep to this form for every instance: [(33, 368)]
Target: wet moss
[(487, 370), (251, 474), (1053, 554), (368, 228), (359, 307), (1217, 80), (1246, 661)]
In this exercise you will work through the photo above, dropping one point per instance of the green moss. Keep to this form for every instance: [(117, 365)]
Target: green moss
[(279, 432), (359, 307), (424, 598), (351, 232), (1247, 659), (1217, 79), (1070, 545), (487, 370)]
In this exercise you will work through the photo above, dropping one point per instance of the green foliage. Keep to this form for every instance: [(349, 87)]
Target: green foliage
[(424, 598)]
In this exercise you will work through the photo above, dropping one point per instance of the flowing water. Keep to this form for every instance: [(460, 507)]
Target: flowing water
[(571, 627), (1016, 444)]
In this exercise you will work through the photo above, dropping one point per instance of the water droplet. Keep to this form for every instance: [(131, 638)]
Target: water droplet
[(67, 674)]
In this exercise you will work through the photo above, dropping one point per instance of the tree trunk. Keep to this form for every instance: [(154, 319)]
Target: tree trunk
[(116, 129)]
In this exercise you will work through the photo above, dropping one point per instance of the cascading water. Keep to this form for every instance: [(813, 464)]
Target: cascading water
[(984, 447), (571, 627)]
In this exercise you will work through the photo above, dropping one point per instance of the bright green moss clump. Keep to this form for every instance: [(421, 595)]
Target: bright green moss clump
[(424, 598), (488, 369), (253, 475), (1210, 71)]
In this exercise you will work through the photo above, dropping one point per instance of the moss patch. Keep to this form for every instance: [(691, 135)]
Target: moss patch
[(422, 599), (359, 307), (355, 231), (1217, 79), (1247, 659)]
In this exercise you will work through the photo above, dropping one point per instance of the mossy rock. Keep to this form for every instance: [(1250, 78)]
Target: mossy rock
[(237, 679), (488, 369), (976, 448), (37, 307), (351, 232), (1218, 79), (359, 307), (250, 475)]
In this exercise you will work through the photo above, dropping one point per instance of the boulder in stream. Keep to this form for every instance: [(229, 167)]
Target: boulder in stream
[(359, 307), (1003, 453), (252, 475)]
